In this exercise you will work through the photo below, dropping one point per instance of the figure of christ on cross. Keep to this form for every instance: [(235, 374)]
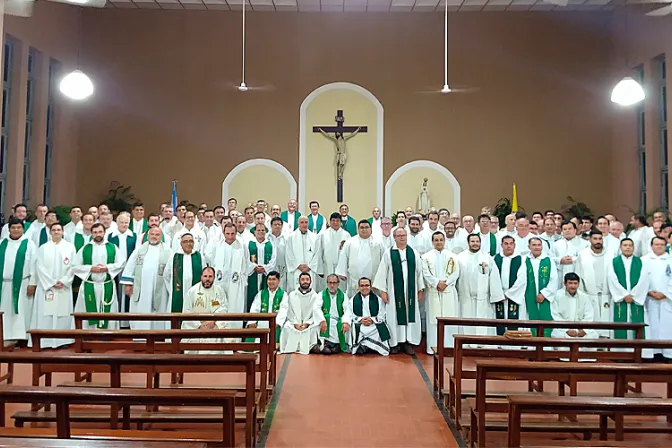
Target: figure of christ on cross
[(339, 138)]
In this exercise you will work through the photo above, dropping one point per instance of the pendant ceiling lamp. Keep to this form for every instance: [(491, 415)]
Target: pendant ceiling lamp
[(628, 91)]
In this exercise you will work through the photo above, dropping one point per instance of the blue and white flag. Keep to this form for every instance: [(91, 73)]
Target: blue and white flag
[(174, 197)]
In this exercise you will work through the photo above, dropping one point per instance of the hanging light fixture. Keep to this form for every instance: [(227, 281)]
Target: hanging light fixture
[(76, 85), (628, 91)]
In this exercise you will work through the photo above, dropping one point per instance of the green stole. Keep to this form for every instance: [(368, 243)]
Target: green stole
[(89, 291), (401, 296), (26, 226), (538, 311), (17, 275), (318, 223), (252, 280), (349, 225), (357, 307), (79, 242), (513, 307), (297, 215), (277, 300), (493, 245), (145, 235), (326, 310), (145, 225), (178, 278), (130, 242), (43, 236), (621, 308)]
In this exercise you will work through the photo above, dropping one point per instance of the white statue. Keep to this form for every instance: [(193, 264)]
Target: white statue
[(424, 204)]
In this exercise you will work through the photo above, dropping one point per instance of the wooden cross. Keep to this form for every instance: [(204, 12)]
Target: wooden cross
[(339, 139)]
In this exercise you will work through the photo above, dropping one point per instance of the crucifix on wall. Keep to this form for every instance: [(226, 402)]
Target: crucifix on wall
[(340, 138)]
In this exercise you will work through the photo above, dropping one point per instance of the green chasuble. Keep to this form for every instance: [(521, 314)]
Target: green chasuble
[(511, 306), (402, 296), (277, 300), (493, 244), (297, 215), (108, 288), (538, 311), (357, 307), (17, 274), (130, 242), (178, 278), (621, 308), (349, 225), (252, 280), (145, 225), (318, 224), (326, 310)]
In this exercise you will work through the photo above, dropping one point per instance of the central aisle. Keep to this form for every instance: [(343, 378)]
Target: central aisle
[(342, 400)]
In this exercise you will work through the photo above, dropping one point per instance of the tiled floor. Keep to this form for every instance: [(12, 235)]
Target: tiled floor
[(342, 400)]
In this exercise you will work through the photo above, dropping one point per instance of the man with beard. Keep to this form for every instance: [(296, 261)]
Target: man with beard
[(360, 257), (302, 254), (205, 298), (336, 311), (97, 263), (143, 277), (300, 317), (370, 333), (591, 267)]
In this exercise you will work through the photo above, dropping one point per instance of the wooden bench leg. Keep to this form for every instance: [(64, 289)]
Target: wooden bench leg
[(604, 422), (473, 430), (514, 426), (618, 423)]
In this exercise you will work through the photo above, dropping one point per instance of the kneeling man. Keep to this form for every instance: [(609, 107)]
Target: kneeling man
[(335, 309), (300, 317), (572, 305), (370, 333)]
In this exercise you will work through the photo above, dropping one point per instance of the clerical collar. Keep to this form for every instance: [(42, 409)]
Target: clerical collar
[(626, 257), (16, 239), (571, 295)]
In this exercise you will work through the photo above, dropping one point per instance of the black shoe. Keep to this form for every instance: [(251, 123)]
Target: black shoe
[(394, 350), (408, 349), (326, 350)]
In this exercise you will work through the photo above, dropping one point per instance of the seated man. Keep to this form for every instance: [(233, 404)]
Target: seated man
[(335, 309), (268, 300), (205, 298), (370, 333), (572, 305), (300, 317)]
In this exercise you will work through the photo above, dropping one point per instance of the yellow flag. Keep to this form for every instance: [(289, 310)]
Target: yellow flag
[(514, 201)]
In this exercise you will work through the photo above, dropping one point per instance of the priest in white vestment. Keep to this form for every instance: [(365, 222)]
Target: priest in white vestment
[(205, 298), (513, 277), (182, 271), (658, 306), (316, 222), (262, 261), (332, 240), (565, 250), (430, 227), (334, 337), (53, 278), (19, 211), (144, 282), (300, 316), (369, 332), (153, 221), (360, 257), (542, 283), (571, 305), (139, 224), (400, 282), (213, 232), (375, 221), (44, 236), (35, 230), (75, 224), (592, 265), (385, 237), (523, 237), (280, 247), (440, 270), (302, 254), (194, 230), (416, 239), (231, 260), (268, 300), (489, 241), (612, 242), (479, 286), (509, 226), (97, 264), (453, 244), (641, 235), (17, 295), (628, 281)]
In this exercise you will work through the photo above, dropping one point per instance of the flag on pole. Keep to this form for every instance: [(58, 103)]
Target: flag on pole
[(514, 201), (174, 197)]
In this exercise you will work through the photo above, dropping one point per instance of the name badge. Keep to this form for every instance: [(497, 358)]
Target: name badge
[(49, 296), (219, 276), (235, 277)]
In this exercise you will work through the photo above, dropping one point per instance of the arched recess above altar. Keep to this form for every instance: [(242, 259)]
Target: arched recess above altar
[(353, 107), (256, 179)]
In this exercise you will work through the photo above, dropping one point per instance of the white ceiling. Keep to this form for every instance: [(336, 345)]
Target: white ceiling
[(365, 5)]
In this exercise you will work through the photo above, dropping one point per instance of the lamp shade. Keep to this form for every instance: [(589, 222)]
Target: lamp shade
[(76, 85), (627, 92)]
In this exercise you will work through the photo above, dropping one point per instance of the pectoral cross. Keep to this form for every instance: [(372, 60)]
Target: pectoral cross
[(339, 138)]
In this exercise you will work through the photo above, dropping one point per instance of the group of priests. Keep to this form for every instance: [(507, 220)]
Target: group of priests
[(338, 284)]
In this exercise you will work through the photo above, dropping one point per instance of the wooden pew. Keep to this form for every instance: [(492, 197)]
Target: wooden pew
[(114, 364), (441, 352), (604, 406), (64, 397), (617, 374), (9, 376), (536, 352), (176, 319), (16, 442), (155, 341)]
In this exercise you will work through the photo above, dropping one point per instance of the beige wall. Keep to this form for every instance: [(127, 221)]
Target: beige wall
[(260, 182), (359, 177), (53, 31), (645, 39), (163, 109), (406, 188)]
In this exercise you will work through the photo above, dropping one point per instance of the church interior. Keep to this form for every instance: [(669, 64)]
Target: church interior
[(529, 104)]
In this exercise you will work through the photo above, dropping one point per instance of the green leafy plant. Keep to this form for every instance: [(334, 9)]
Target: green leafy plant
[(63, 213), (576, 209), (502, 210), (119, 197)]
